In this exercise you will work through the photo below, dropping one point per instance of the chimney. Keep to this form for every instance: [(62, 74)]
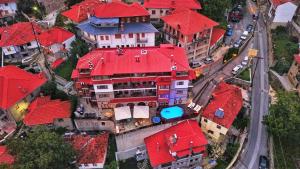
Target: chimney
[(191, 146), (137, 58), (157, 147), (173, 2), (102, 60)]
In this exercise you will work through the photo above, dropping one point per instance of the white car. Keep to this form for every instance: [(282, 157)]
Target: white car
[(236, 69), (245, 61), (244, 35)]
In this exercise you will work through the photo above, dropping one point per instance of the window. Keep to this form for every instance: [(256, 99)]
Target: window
[(127, 46), (94, 164), (6, 4), (106, 37), (102, 87), (153, 12), (117, 36), (218, 126), (108, 46), (210, 132), (180, 83), (205, 120), (29, 44), (164, 87), (103, 95), (179, 92), (101, 37), (161, 11), (130, 35), (60, 120), (103, 123), (143, 35)]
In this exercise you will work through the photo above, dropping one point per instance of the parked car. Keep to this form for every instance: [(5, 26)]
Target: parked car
[(244, 35), (245, 61), (195, 64), (208, 60), (250, 28), (263, 162), (236, 69), (229, 31), (238, 43)]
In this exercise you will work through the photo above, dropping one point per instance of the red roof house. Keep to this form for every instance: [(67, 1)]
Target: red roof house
[(172, 4), (90, 149), (18, 34), (79, 12), (5, 157), (43, 110), (228, 99), (119, 9), (188, 22), (217, 35), (53, 36), (175, 142), (16, 84), (156, 59)]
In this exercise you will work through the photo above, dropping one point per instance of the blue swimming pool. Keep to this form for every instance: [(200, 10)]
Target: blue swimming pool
[(171, 112)]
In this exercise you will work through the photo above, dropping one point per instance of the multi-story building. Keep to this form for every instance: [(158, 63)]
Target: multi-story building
[(8, 8), (158, 8), (294, 73), (117, 24), (19, 41), (92, 150), (180, 146), (220, 113), (189, 30), (18, 89), (109, 78)]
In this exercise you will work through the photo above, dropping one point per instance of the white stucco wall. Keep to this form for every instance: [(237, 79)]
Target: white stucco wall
[(10, 7)]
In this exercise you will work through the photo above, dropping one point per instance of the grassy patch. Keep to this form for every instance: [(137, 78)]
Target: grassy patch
[(245, 74), (286, 157), (284, 47), (65, 70), (112, 148)]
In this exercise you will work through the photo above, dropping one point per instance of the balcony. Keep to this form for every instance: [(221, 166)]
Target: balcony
[(141, 93), (133, 86)]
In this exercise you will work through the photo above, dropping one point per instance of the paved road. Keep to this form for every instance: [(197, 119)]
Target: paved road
[(257, 138)]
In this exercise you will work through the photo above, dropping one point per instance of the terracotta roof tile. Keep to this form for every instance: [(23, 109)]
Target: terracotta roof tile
[(172, 4), (16, 84), (5, 157)]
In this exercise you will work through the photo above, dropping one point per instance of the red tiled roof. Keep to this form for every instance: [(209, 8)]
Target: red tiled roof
[(18, 34), (188, 133), (157, 59), (217, 34), (7, 1), (166, 4), (91, 149), (188, 22), (227, 97), (16, 84), (44, 111), (57, 62), (5, 157), (279, 2), (119, 9), (297, 58), (79, 12), (54, 35)]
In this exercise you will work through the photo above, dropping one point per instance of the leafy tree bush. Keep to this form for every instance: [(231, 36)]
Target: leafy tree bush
[(42, 149)]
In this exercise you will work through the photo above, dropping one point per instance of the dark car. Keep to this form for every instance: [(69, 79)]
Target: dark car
[(238, 43), (250, 28), (263, 162)]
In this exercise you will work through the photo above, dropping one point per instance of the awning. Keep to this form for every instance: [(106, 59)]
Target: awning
[(122, 113), (141, 112)]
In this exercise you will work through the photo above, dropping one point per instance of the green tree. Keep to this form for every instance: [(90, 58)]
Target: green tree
[(42, 149), (78, 49), (31, 7), (4, 166), (59, 21), (215, 9), (69, 3), (283, 119), (49, 88)]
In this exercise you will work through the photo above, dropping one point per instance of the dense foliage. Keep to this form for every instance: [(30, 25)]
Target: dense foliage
[(283, 119), (42, 149)]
